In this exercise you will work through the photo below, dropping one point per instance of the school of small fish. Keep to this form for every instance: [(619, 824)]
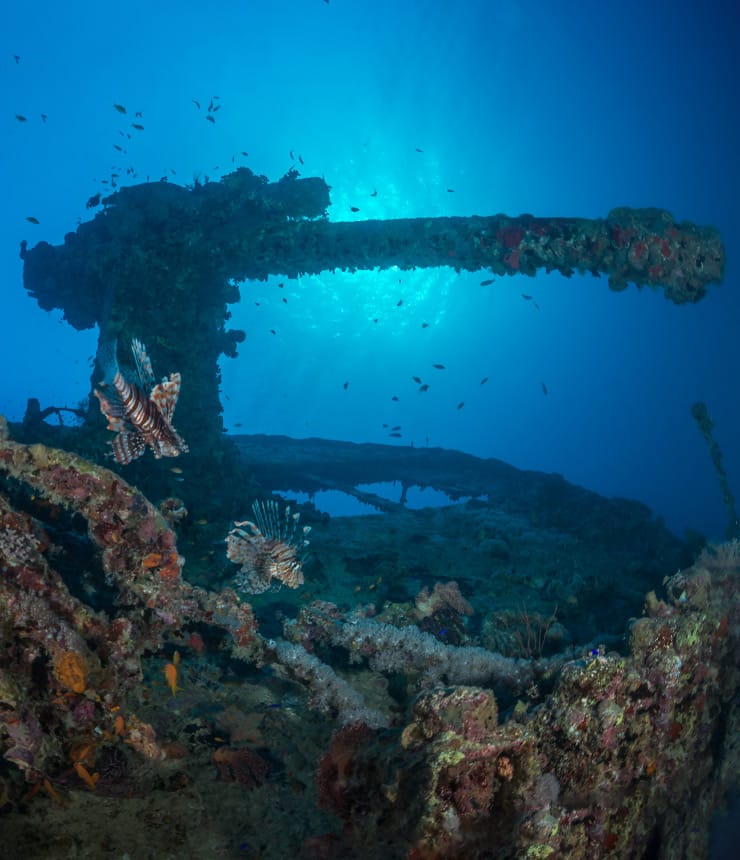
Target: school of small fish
[(138, 410)]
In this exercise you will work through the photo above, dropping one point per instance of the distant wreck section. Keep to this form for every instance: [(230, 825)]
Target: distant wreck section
[(518, 537)]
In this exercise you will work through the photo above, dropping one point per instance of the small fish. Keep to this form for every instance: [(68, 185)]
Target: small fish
[(119, 148), (211, 118), (416, 379), (419, 150), (176, 470), (300, 158), (487, 282), (170, 673), (196, 103), (397, 427), (375, 192), (439, 366), (138, 114), (526, 297), (484, 380), (120, 108), (354, 208), (385, 426), (536, 305), (238, 424), (544, 388), (16, 58), (450, 190), (84, 774), (395, 435), (93, 201), (272, 331), (20, 117), (346, 385), (292, 155), (399, 303), (243, 152), (424, 387), (394, 399), (138, 126), (44, 117), (461, 404), (375, 320), (53, 794), (32, 220), (425, 325)]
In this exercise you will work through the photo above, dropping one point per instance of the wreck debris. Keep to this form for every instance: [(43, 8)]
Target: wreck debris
[(706, 427)]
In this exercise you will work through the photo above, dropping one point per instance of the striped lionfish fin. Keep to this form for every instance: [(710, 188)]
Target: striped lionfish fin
[(144, 369), (127, 446), (107, 360), (165, 395), (112, 410)]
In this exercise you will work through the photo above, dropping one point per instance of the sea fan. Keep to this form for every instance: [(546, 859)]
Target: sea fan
[(270, 549)]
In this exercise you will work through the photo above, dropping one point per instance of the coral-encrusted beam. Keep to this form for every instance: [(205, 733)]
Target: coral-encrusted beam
[(641, 246)]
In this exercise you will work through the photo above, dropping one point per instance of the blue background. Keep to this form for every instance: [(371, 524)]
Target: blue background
[(552, 108)]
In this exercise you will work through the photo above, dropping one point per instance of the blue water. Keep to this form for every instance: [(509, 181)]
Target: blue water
[(550, 108)]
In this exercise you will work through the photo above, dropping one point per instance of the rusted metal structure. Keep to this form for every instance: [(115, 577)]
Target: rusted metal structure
[(161, 262)]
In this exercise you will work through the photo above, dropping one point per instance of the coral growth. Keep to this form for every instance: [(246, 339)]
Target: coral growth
[(438, 752), (243, 766), (82, 661), (630, 751)]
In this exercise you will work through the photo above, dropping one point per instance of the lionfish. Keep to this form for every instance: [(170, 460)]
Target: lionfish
[(270, 548), (138, 409)]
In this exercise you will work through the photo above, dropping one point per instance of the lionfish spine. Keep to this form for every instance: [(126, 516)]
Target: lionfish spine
[(268, 549), (268, 518)]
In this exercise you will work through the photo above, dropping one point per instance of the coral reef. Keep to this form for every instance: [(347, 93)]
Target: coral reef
[(359, 734), (628, 757), (61, 657)]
